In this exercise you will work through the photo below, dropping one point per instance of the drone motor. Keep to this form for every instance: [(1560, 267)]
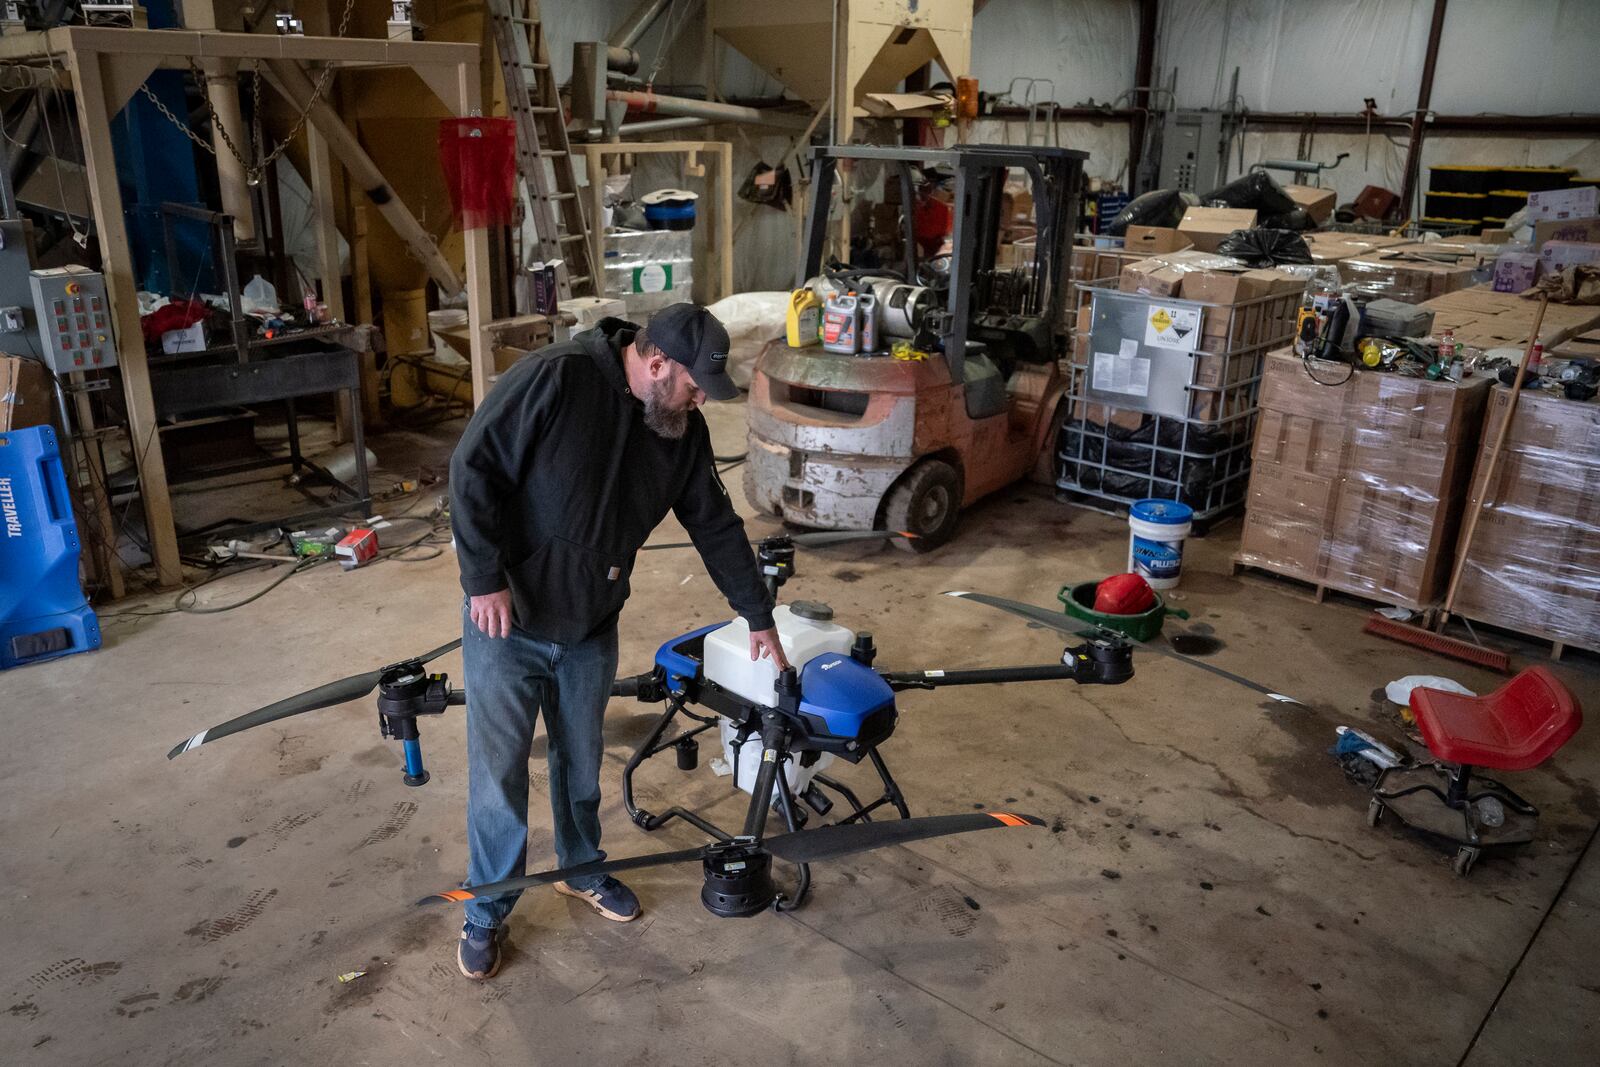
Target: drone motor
[(738, 879)]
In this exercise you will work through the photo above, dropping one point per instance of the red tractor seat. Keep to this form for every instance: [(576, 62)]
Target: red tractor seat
[(1519, 725)]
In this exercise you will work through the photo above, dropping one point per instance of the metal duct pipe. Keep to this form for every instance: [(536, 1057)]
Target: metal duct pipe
[(661, 125), (652, 104), (290, 80), (222, 89), (622, 60), (638, 24), (597, 134)]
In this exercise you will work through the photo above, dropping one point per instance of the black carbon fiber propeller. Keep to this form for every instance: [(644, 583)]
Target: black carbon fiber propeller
[(1055, 620), (810, 538), (323, 696), (801, 846)]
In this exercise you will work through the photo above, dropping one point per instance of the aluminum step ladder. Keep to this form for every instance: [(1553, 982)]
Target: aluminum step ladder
[(544, 156)]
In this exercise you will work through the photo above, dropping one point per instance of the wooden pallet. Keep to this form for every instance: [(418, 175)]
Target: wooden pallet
[(1558, 645), (1321, 588)]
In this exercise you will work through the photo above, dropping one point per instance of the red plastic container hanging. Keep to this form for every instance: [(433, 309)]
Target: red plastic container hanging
[(479, 160)]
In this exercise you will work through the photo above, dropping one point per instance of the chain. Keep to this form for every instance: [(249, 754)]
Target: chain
[(253, 171)]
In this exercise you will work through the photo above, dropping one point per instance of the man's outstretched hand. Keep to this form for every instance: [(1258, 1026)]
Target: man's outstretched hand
[(766, 643), (491, 613)]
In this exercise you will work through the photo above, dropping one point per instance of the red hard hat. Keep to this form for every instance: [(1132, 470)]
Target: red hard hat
[(1124, 594)]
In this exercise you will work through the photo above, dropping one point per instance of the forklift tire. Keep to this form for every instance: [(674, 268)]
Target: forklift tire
[(925, 502)]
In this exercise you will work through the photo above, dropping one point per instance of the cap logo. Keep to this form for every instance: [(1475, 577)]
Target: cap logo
[(719, 357)]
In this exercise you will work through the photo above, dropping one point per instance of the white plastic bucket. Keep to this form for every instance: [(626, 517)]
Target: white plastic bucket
[(1156, 531)]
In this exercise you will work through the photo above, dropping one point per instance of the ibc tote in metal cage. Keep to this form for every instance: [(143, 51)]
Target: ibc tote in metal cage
[(1162, 397)]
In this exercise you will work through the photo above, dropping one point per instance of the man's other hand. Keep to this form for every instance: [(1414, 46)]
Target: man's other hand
[(491, 613), (766, 643)]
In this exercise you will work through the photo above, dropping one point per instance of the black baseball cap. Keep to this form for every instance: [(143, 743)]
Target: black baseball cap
[(691, 335)]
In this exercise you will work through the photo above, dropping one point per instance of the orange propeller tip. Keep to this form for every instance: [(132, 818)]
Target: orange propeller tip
[(454, 896), (1009, 819)]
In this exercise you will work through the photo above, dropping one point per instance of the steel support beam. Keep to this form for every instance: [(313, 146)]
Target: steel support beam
[(1430, 62), (637, 24), (297, 88), (1143, 71)]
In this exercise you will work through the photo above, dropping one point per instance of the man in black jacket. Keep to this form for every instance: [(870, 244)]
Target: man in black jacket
[(575, 457)]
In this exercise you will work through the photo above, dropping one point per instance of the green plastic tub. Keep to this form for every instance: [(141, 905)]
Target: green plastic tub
[(1079, 602)]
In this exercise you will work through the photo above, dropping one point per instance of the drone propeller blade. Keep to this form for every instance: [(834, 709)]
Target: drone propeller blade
[(810, 539), (832, 842), (821, 538), (1057, 621), (323, 696), (428, 657), (582, 870)]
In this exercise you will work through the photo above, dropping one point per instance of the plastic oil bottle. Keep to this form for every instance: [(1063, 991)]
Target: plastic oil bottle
[(805, 318), (841, 323), (869, 323)]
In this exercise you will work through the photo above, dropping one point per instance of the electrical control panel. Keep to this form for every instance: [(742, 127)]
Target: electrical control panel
[(74, 319)]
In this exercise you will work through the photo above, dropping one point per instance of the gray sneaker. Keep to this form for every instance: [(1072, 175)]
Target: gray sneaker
[(478, 952)]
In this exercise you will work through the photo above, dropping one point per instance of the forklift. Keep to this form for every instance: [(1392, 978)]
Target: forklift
[(967, 401)]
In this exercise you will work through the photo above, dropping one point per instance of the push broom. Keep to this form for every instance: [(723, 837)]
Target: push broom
[(1454, 647)]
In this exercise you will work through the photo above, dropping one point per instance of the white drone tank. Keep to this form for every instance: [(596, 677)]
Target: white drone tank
[(807, 630)]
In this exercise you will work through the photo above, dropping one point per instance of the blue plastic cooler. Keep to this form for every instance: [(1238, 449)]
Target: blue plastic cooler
[(43, 612)]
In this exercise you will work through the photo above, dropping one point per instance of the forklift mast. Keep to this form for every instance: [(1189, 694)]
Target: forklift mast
[(980, 172)]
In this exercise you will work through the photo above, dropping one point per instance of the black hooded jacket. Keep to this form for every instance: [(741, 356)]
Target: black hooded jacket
[(557, 482)]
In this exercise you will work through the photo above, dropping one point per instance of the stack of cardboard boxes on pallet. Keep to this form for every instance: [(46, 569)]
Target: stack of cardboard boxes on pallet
[(1534, 562), (1359, 479)]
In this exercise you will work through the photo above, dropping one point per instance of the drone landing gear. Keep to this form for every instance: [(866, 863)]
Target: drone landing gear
[(731, 890)]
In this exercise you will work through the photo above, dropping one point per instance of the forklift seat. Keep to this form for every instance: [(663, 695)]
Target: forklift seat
[(986, 387), (1518, 726)]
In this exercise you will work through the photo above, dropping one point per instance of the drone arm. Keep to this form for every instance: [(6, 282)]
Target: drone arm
[(1095, 663), (935, 679)]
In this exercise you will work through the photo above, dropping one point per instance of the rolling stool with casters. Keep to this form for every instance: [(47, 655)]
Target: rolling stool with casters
[(1518, 726)]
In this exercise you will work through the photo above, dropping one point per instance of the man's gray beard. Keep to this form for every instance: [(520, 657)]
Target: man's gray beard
[(664, 421)]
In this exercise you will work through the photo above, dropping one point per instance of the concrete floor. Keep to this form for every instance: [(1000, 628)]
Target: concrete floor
[(1207, 892)]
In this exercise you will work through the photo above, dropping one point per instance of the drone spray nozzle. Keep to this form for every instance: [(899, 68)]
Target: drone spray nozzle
[(775, 555), (404, 692)]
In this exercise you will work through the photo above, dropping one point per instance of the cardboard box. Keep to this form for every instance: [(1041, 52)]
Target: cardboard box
[(1163, 275), (1407, 278), (1557, 256), (1582, 202), (1331, 247), (1515, 271), (1207, 227), (1318, 203), (191, 338), (1586, 230), (26, 396), (1500, 319), (1152, 239)]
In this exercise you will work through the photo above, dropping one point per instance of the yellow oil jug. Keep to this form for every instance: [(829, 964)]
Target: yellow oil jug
[(805, 318)]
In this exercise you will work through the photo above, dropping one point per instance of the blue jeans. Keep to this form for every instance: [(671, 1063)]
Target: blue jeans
[(509, 681)]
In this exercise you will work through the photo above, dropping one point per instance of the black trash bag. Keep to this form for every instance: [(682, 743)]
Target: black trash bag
[(1256, 191), (1137, 467), (1158, 207), (768, 185), (1296, 220), (1265, 248)]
